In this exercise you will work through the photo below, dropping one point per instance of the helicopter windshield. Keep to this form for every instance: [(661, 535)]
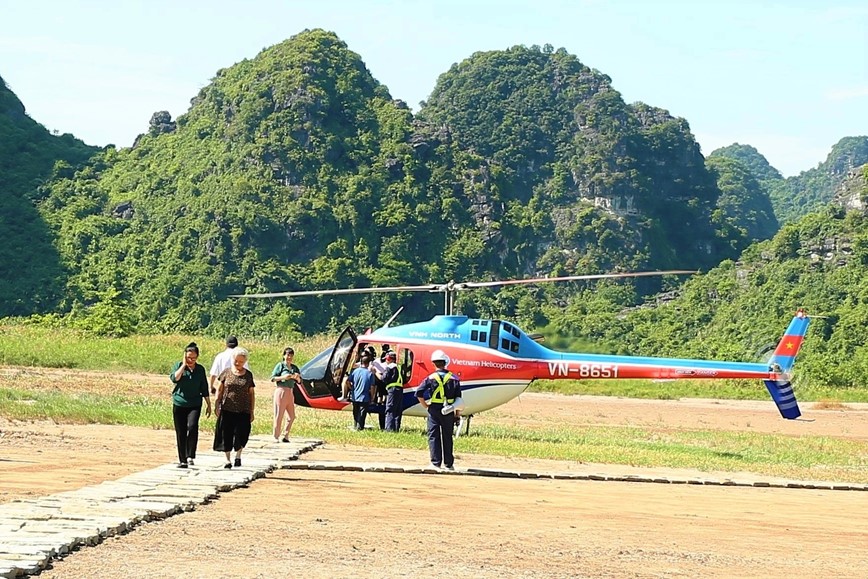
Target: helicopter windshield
[(315, 368), (322, 375)]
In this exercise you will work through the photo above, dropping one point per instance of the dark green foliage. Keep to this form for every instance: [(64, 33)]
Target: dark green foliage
[(799, 195), (294, 170), (29, 267), (28, 152), (589, 183), (796, 196), (752, 159), (743, 203)]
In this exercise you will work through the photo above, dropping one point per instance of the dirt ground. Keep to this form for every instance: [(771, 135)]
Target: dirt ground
[(350, 524)]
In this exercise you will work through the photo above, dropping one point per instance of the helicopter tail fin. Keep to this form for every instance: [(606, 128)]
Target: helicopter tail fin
[(784, 355), (782, 362)]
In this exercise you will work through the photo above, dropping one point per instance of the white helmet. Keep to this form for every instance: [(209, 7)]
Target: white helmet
[(439, 355)]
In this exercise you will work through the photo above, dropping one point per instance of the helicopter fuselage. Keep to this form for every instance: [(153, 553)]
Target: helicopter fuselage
[(496, 361)]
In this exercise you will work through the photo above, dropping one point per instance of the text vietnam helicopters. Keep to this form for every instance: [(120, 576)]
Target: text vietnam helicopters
[(496, 361)]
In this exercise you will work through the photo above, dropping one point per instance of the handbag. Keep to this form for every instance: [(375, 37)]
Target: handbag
[(218, 435), (218, 426)]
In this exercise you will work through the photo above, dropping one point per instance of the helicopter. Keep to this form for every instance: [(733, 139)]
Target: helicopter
[(496, 361)]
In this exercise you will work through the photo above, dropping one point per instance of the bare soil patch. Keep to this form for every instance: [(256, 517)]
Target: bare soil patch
[(328, 523)]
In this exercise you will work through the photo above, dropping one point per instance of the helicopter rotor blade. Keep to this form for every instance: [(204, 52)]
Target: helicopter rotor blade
[(448, 288), (354, 290), (475, 284)]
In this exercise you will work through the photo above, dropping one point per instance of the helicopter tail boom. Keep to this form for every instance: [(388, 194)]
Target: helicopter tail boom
[(776, 374)]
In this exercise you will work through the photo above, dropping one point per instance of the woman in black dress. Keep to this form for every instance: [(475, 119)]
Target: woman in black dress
[(236, 400)]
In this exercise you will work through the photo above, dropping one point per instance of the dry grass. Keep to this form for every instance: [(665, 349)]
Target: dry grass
[(827, 404)]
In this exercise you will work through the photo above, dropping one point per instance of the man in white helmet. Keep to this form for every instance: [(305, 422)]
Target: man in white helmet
[(439, 389)]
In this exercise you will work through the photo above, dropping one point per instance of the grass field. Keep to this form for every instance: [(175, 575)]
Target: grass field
[(24, 345), (116, 381), (109, 398), (68, 400)]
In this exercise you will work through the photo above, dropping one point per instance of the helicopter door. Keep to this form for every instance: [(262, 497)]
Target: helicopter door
[(322, 376), (405, 364)]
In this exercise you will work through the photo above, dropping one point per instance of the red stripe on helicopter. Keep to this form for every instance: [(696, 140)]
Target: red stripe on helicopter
[(657, 373), (788, 346)]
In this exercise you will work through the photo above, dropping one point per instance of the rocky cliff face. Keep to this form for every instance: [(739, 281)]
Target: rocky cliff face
[(799, 195), (562, 142), (853, 192)]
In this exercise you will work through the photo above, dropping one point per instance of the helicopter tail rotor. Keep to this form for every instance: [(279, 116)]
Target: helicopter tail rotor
[(782, 361)]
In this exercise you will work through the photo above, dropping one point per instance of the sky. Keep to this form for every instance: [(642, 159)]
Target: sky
[(789, 78)]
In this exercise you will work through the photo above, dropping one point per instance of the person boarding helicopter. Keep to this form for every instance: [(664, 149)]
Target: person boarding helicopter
[(394, 392)]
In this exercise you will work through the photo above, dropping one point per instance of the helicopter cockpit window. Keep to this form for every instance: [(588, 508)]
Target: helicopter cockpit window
[(315, 368), (508, 345), (492, 336), (511, 329)]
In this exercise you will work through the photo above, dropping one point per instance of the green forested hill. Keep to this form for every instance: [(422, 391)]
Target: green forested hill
[(812, 189), (29, 265), (739, 309), (743, 203), (745, 176), (297, 170), (28, 152), (293, 170), (588, 182), (755, 162), (799, 195)]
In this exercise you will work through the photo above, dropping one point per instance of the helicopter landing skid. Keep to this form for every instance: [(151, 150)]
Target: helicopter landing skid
[(461, 422)]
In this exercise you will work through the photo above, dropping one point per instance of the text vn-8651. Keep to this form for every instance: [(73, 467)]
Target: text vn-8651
[(583, 370)]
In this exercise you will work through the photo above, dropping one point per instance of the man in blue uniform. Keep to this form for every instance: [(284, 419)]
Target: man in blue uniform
[(439, 389), (363, 387), (394, 393)]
